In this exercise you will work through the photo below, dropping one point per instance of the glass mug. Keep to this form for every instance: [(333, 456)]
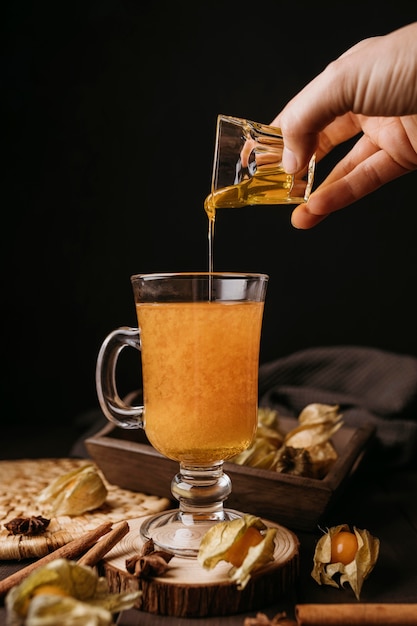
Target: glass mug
[(247, 168), (199, 338)]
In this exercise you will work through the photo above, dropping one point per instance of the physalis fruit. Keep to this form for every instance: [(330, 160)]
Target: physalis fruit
[(348, 556), (75, 492), (63, 592), (246, 543)]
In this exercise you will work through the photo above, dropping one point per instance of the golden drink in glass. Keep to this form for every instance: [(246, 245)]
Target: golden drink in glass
[(199, 337), (193, 413)]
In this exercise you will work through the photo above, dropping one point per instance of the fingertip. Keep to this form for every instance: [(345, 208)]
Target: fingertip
[(296, 222), (302, 219)]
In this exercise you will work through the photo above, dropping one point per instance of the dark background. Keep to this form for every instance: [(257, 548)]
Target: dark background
[(110, 113)]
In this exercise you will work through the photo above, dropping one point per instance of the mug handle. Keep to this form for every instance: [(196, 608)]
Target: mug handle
[(114, 408)]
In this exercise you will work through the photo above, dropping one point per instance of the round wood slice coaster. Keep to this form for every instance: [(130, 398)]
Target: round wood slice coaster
[(188, 590)]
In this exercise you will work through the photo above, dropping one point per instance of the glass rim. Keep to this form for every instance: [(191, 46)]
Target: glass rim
[(258, 127), (216, 274)]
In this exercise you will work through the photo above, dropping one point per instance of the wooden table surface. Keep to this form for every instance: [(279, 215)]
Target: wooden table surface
[(385, 503)]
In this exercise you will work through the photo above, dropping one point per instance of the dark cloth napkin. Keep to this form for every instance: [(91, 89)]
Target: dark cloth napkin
[(369, 385)]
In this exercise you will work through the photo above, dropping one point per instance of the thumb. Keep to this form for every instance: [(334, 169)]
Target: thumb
[(309, 112), (300, 134)]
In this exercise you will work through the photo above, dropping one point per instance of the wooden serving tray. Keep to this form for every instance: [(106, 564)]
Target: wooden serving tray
[(128, 460)]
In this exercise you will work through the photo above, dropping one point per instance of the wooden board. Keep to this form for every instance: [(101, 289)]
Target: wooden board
[(20, 484), (188, 590)]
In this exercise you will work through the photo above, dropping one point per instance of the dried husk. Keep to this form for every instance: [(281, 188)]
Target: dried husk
[(220, 538), (261, 619), (75, 492), (270, 418), (317, 412), (268, 439), (307, 450), (88, 600), (355, 572), (312, 462), (260, 454), (294, 461), (318, 423)]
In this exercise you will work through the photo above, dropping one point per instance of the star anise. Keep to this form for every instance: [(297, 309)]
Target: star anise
[(34, 525), (148, 562)]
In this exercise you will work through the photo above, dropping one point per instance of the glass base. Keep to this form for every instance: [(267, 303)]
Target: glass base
[(181, 533)]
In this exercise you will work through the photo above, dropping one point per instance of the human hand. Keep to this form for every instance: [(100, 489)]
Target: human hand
[(369, 91)]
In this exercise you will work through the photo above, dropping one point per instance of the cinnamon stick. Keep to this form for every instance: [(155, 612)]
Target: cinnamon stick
[(97, 552), (362, 614), (70, 550)]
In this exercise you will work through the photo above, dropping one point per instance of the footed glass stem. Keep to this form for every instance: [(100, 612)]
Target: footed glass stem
[(200, 492)]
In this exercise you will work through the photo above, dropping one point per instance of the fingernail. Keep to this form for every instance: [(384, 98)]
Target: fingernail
[(289, 161)]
